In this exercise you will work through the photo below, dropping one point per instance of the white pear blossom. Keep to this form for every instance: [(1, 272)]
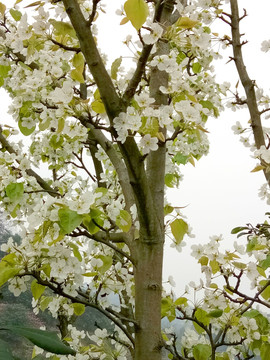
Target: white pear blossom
[(154, 35), (148, 143)]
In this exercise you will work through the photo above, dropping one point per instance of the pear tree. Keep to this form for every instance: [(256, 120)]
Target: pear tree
[(86, 165)]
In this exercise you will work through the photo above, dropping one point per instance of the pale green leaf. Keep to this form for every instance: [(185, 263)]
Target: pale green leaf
[(186, 23), (98, 107), (24, 130), (7, 271), (69, 220), (115, 67), (179, 228), (136, 11), (77, 75), (107, 263), (2, 8), (16, 14), (124, 221), (202, 352), (14, 191), (79, 309), (37, 289)]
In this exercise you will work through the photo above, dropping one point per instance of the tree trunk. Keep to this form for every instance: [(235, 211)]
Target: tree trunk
[(148, 283), (149, 247)]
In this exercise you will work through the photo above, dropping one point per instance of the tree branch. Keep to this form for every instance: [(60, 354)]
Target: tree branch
[(45, 186), (106, 239), (247, 83), (58, 290), (109, 96)]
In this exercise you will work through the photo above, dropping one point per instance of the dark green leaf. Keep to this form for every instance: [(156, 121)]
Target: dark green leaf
[(5, 353), (47, 340), (238, 229)]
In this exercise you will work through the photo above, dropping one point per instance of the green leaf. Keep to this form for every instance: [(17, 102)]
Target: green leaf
[(56, 141), (181, 301), (107, 263), (214, 266), (63, 28), (124, 221), (136, 11), (7, 271), (202, 352), (76, 251), (168, 209), (203, 260), (265, 264), (198, 328), (98, 107), (196, 67), (262, 321), (239, 265), (16, 14), (179, 228), (2, 8), (265, 351), (238, 229), (266, 292), (185, 23), (115, 67), (202, 316), (4, 70), (47, 340), (25, 130), (166, 305), (5, 352), (215, 313), (14, 191), (69, 220), (179, 158), (37, 289), (171, 180), (79, 309), (77, 75), (78, 61)]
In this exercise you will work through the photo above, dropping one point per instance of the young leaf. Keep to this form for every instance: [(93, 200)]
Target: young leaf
[(215, 313), (79, 309), (107, 263), (202, 352), (179, 228), (115, 67), (2, 8), (25, 130), (7, 272), (69, 219), (47, 340), (136, 11), (124, 221), (265, 351), (14, 191), (16, 14), (186, 23), (37, 289)]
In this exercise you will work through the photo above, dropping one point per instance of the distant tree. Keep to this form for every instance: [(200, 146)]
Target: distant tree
[(93, 223)]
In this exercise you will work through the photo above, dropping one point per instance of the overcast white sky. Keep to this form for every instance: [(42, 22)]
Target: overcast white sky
[(220, 191)]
